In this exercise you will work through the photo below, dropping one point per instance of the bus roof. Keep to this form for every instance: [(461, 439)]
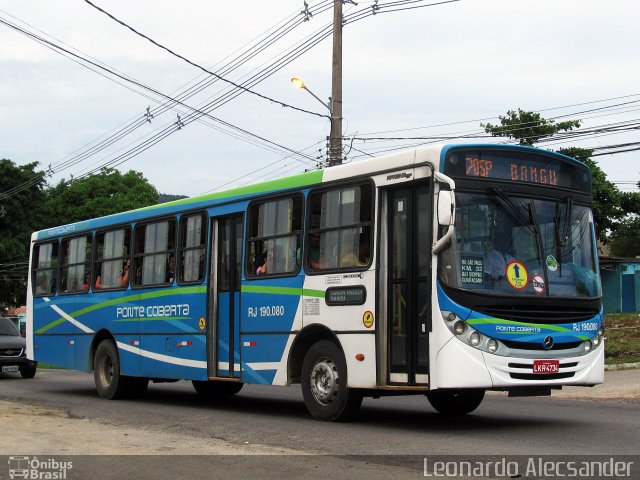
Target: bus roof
[(434, 154)]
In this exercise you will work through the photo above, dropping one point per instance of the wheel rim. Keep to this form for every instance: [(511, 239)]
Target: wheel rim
[(106, 371), (324, 381)]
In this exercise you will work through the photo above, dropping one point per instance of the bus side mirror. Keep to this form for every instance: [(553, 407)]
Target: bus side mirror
[(445, 208)]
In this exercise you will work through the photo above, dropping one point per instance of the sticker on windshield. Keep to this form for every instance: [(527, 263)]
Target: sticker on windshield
[(537, 282), (517, 275), (552, 263)]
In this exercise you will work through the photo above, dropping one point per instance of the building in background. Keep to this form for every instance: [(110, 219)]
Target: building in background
[(620, 284)]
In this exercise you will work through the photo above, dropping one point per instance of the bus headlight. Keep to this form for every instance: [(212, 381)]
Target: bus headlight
[(587, 346), (459, 327), (492, 345), (596, 340), (475, 338)]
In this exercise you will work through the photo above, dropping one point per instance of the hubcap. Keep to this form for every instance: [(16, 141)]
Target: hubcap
[(106, 371), (324, 381)]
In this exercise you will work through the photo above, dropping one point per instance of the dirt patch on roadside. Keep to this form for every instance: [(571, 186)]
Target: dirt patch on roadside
[(43, 431)]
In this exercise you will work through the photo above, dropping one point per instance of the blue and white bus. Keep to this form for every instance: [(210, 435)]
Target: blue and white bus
[(444, 271)]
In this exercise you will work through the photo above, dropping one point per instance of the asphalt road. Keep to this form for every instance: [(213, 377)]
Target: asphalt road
[(391, 426)]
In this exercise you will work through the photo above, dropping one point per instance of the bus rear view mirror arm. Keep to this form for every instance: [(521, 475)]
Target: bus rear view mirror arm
[(446, 211)]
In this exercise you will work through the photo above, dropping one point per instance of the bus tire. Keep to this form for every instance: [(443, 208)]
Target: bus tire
[(215, 389), (110, 384), (324, 384), (455, 402), (28, 372)]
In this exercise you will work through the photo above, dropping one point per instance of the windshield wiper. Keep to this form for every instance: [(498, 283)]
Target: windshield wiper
[(567, 222), (533, 217), (561, 239), (509, 207)]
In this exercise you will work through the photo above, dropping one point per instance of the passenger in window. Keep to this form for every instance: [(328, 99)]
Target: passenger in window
[(87, 282), (171, 269), (98, 284), (124, 278), (350, 259), (262, 266), (314, 251), (364, 255), (42, 287)]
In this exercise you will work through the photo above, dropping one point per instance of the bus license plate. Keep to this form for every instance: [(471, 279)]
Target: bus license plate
[(546, 366), (10, 369)]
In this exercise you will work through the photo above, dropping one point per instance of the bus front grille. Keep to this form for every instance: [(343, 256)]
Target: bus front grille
[(538, 346)]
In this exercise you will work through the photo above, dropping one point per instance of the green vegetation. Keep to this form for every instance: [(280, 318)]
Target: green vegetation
[(28, 203), (622, 344)]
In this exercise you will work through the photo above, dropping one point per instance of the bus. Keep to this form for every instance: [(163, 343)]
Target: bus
[(445, 271)]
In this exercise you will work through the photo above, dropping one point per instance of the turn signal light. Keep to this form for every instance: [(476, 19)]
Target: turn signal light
[(360, 357)]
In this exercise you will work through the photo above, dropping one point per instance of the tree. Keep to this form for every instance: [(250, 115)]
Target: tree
[(625, 241), (527, 127), (21, 212), (106, 193)]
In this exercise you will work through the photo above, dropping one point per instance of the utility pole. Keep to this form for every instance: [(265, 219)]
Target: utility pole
[(335, 137)]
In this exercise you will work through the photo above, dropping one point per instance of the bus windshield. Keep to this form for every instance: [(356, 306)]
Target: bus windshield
[(512, 245)]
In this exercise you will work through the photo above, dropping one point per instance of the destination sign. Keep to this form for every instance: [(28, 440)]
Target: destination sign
[(516, 166)]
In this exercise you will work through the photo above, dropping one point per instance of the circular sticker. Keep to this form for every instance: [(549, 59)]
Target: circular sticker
[(367, 319), (517, 275), (552, 263), (202, 323), (537, 282)]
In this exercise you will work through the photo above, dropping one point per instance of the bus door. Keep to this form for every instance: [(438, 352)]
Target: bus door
[(407, 302), (224, 296)]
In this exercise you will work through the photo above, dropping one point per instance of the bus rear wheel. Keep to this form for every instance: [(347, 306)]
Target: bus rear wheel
[(110, 384), (324, 384), (455, 402), (214, 389)]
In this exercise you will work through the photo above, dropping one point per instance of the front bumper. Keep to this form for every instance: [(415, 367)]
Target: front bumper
[(21, 362)]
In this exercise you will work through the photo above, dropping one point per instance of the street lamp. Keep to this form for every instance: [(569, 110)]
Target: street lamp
[(335, 138), (299, 83)]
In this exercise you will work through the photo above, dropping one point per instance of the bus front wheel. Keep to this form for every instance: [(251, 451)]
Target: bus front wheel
[(324, 384), (110, 384), (455, 402)]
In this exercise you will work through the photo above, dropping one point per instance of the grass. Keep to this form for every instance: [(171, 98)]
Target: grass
[(622, 344)]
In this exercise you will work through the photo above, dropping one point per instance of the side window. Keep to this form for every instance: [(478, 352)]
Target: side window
[(75, 265), (112, 258), (274, 237), (45, 261), (193, 236), (339, 235), (154, 253)]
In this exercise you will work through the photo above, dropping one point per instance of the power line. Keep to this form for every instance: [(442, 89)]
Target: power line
[(245, 89)]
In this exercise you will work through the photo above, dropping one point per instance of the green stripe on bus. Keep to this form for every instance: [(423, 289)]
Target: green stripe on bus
[(296, 181), (480, 321), (282, 291), (130, 298)]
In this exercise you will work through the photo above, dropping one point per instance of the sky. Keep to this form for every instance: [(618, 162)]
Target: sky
[(435, 71)]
